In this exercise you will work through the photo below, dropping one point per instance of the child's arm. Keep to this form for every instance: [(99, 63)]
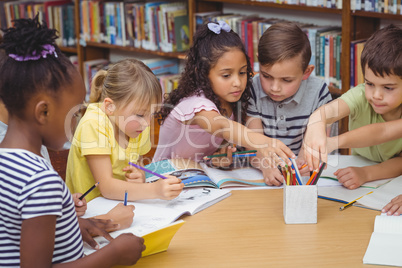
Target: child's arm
[(314, 142), (220, 126), (353, 177), (112, 188), (370, 135), (394, 207), (37, 244)]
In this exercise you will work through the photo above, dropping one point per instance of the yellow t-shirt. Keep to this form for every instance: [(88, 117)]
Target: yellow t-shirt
[(95, 136), (361, 114)]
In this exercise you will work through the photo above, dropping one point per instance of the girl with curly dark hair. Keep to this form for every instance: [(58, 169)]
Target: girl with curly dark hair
[(210, 103)]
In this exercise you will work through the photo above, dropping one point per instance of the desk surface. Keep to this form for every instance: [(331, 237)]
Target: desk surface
[(247, 230)]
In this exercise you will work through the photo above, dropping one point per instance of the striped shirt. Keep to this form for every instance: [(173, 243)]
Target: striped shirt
[(287, 120), (30, 187)]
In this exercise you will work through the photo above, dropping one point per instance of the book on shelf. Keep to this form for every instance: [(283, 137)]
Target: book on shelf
[(385, 244), (91, 67), (204, 175), (155, 219)]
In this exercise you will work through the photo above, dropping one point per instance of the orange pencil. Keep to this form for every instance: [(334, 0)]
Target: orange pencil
[(312, 177)]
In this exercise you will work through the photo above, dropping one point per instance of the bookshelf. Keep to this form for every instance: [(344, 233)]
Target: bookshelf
[(356, 24)]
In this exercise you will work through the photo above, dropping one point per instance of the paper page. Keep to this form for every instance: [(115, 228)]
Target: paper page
[(383, 195), (342, 193), (249, 175), (336, 162), (388, 224), (190, 200), (384, 249)]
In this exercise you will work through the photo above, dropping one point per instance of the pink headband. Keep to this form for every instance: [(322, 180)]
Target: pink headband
[(48, 50)]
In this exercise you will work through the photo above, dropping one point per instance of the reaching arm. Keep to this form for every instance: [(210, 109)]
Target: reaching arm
[(314, 142), (370, 135), (113, 188), (219, 126)]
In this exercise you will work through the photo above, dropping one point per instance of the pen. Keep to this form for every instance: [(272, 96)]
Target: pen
[(352, 202), (147, 170), (235, 153), (125, 198), (89, 190)]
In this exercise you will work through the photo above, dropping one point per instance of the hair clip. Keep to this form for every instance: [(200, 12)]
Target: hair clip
[(216, 28), (48, 50)]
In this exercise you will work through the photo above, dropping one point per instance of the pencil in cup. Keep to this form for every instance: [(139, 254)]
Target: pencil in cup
[(147, 170), (317, 177)]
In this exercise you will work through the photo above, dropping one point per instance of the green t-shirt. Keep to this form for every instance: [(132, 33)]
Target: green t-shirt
[(361, 114)]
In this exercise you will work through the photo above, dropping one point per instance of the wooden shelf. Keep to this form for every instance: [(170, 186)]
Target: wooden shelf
[(280, 6), (376, 15), (178, 55), (68, 49)]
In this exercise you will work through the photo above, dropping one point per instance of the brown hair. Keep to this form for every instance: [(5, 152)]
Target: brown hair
[(125, 81), (283, 41), (382, 52)]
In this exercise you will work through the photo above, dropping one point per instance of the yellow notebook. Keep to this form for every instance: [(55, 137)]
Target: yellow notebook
[(159, 240), (155, 241)]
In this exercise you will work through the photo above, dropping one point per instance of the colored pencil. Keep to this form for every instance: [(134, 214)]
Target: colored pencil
[(125, 198), (235, 153), (89, 190), (294, 167), (147, 170), (317, 177), (312, 177), (352, 202)]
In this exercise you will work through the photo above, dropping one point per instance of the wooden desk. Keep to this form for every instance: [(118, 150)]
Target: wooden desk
[(247, 230)]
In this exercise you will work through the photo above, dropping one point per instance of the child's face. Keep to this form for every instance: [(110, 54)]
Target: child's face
[(282, 80), (384, 94), (70, 96), (228, 77), (132, 119)]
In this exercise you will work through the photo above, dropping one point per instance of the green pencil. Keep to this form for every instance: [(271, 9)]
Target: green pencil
[(221, 155)]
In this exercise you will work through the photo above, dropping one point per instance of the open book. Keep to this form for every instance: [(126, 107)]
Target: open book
[(377, 200), (156, 215), (336, 162), (385, 245), (202, 175)]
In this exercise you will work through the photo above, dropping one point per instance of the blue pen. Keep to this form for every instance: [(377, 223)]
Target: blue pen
[(147, 170), (125, 198)]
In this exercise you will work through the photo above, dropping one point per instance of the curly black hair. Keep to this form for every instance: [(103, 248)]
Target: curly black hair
[(20, 80), (205, 52)]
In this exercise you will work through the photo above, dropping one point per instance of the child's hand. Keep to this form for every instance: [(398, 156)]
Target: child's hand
[(276, 154), (224, 161), (169, 188), (394, 207), (315, 145), (272, 176), (129, 248), (95, 227), (302, 166), (134, 174), (80, 205), (352, 177), (121, 215)]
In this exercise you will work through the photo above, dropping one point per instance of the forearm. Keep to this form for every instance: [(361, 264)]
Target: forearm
[(389, 169), (102, 258), (112, 188)]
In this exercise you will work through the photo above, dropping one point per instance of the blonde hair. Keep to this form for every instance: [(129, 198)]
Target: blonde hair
[(125, 81)]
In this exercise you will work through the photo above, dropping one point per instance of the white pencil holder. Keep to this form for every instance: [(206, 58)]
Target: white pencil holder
[(300, 204)]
